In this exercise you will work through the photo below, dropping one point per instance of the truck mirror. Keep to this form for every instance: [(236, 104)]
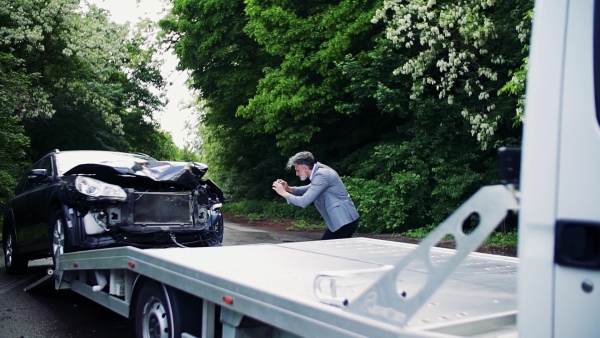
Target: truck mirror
[(510, 165)]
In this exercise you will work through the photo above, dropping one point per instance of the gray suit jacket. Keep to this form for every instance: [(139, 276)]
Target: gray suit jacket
[(329, 195)]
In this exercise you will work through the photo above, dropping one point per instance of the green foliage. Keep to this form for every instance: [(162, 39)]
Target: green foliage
[(304, 225), (73, 54), (282, 76), (225, 65), (421, 171), (419, 233), (516, 85), (462, 52), (15, 89), (84, 74), (19, 95), (497, 239), (407, 186), (307, 218), (294, 100), (502, 239), (13, 144)]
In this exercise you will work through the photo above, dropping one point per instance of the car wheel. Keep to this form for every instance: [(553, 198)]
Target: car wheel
[(60, 243), (217, 227), (13, 263)]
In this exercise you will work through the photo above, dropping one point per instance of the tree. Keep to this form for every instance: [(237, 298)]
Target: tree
[(296, 99), (17, 97), (463, 52), (94, 73), (281, 76), (430, 164), (225, 65)]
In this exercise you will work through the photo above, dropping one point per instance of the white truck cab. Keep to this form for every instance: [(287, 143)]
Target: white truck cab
[(559, 229)]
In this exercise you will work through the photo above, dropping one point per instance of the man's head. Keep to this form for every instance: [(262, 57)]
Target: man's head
[(303, 162)]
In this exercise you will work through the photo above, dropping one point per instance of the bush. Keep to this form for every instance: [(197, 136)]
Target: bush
[(387, 207), (502, 239), (272, 209), (397, 189)]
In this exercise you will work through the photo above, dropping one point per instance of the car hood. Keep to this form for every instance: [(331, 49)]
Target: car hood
[(183, 173)]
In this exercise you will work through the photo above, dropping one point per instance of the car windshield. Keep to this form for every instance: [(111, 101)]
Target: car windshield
[(69, 159)]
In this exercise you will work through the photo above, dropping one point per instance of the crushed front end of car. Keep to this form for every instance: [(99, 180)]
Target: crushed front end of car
[(143, 204)]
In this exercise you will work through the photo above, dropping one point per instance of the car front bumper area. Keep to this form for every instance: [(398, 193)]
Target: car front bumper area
[(154, 238)]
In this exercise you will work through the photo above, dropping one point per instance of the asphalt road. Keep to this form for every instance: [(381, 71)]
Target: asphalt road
[(47, 313)]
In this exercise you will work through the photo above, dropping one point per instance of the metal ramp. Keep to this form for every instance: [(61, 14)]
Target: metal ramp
[(48, 276)]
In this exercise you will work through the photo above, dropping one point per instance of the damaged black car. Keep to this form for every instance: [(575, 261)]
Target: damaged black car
[(81, 200)]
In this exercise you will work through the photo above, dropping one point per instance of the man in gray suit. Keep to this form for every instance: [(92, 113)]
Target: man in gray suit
[(326, 191)]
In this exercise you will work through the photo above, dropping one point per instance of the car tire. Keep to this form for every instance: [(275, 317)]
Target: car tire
[(217, 226), (58, 234), (13, 262)]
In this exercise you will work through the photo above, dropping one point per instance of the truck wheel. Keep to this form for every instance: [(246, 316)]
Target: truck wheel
[(154, 316), (60, 243), (13, 263)]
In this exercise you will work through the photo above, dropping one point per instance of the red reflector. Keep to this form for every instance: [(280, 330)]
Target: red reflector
[(228, 300), (131, 264), (75, 265)]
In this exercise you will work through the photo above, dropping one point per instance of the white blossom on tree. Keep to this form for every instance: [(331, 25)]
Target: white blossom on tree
[(449, 43)]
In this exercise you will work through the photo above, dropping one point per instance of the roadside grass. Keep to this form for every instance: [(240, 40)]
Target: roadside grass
[(304, 225), (500, 238), (255, 210)]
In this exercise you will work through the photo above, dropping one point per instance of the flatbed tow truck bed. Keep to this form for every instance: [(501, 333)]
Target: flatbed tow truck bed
[(275, 284), (365, 287)]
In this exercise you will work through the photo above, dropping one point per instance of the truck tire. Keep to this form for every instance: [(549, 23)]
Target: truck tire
[(13, 262), (188, 310), (154, 317), (165, 312)]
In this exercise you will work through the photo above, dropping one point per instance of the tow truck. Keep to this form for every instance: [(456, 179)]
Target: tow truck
[(362, 287)]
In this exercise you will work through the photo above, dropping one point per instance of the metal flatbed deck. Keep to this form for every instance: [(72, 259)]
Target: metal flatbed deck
[(275, 283)]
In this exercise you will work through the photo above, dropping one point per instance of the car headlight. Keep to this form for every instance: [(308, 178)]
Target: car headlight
[(96, 189)]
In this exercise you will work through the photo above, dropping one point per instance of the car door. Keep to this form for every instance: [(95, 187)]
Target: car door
[(17, 208), (31, 208)]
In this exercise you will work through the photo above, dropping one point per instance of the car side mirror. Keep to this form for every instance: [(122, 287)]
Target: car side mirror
[(37, 175)]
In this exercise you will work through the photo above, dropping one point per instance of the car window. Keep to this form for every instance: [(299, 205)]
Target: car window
[(66, 161), (45, 163), (25, 184)]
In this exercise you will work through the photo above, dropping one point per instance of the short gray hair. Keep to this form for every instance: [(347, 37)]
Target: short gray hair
[(301, 158)]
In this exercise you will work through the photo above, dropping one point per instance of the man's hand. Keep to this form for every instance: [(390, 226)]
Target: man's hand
[(280, 187), (284, 184)]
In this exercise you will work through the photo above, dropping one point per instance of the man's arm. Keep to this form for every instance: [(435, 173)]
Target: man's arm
[(309, 192), (283, 189), (299, 191)]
